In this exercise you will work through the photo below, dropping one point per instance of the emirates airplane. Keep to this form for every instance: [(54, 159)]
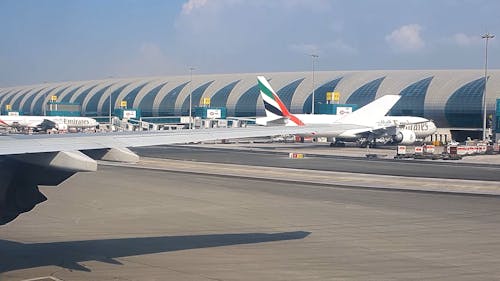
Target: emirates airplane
[(47, 122), (395, 129)]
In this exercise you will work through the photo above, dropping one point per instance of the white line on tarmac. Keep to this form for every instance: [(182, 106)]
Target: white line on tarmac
[(43, 278)]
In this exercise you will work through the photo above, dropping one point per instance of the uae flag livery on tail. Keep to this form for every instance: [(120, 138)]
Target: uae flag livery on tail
[(273, 104)]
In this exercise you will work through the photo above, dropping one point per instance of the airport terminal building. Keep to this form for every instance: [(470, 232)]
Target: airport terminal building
[(452, 98)]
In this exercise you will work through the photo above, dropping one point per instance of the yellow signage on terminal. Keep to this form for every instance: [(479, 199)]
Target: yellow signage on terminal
[(336, 96)]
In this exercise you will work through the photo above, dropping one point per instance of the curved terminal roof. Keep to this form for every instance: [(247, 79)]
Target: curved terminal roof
[(452, 98)]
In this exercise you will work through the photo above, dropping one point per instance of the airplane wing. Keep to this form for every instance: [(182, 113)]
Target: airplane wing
[(375, 131), (47, 124), (27, 161), (28, 144), (372, 112)]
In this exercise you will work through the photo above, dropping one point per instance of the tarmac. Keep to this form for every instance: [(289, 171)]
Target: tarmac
[(324, 178), (313, 171), (383, 152), (165, 219), (138, 224)]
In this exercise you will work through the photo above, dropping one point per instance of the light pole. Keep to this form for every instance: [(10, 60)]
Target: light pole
[(486, 36), (110, 94), (313, 57), (190, 97), (45, 104), (45, 101)]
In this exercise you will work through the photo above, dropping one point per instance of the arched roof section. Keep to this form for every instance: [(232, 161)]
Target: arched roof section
[(464, 107), (396, 81), (130, 97), (97, 90), (130, 91), (246, 105), (4, 92), (7, 97), (445, 83), (412, 99), (167, 104), (73, 94), (35, 102), (219, 99), (219, 82), (67, 94), (63, 88), (27, 102), (147, 102), (93, 102), (112, 92), (443, 86), (57, 91), (16, 101), (195, 98), (40, 100), (146, 90), (286, 93), (247, 81), (80, 97), (366, 93), (319, 95)]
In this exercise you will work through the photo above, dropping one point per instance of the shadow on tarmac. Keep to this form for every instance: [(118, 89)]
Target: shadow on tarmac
[(15, 255)]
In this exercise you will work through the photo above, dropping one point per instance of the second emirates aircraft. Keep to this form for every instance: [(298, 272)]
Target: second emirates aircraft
[(377, 127)]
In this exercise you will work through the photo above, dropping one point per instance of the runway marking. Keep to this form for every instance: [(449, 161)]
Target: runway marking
[(43, 278)]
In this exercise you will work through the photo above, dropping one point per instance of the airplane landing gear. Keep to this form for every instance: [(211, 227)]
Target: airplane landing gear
[(337, 143), (369, 142)]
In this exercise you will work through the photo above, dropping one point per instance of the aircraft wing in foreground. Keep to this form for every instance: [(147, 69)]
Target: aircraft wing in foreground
[(27, 161)]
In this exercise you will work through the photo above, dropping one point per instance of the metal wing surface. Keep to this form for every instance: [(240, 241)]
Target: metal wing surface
[(27, 161), (22, 144)]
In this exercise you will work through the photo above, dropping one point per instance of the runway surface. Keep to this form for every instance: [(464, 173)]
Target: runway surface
[(132, 224), (256, 157)]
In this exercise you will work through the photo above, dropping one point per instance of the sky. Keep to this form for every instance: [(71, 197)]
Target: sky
[(70, 40)]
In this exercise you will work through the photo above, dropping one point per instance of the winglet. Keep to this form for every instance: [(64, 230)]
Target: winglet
[(273, 105)]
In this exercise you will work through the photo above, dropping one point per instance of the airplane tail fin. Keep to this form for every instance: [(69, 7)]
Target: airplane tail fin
[(275, 108), (372, 112)]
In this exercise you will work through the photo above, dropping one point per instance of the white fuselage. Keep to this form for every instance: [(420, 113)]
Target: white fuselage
[(422, 127), (36, 121)]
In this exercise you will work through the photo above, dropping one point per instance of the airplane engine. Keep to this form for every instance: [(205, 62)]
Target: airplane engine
[(405, 137)]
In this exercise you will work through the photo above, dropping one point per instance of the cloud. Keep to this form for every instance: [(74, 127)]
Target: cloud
[(406, 39), (317, 6), (151, 52), (304, 48), (465, 40), (191, 5), (337, 46), (341, 47)]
